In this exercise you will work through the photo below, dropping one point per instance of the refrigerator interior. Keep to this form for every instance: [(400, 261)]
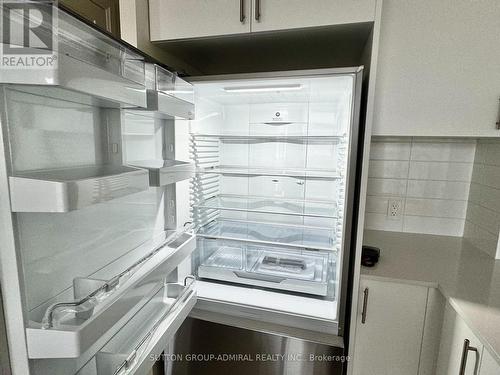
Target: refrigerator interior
[(269, 193)]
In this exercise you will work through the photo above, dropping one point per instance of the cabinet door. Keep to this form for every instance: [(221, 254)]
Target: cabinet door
[(289, 14), (436, 73), (488, 364), (184, 19), (453, 335), (388, 341), (103, 13)]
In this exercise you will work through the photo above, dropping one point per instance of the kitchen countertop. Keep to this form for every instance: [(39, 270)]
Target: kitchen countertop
[(468, 278)]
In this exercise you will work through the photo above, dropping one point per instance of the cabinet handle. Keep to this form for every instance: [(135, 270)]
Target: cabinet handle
[(365, 306), (465, 352), (242, 11), (257, 10), (498, 121)]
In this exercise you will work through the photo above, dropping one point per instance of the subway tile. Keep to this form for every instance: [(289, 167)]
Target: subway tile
[(421, 170), (386, 187), (390, 150), (382, 222), (480, 238), (433, 225), (388, 169), (443, 151), (488, 152), (485, 196), (376, 204), (483, 217), (488, 175), (438, 189), (436, 208)]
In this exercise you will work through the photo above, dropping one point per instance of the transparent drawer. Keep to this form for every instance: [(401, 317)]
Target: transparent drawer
[(281, 268)]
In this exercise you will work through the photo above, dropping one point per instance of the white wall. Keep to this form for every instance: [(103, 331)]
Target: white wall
[(429, 177)]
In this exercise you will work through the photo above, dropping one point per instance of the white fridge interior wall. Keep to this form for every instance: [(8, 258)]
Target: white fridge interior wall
[(271, 157)]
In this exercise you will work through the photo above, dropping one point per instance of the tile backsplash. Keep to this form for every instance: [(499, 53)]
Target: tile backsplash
[(426, 181), (482, 225)]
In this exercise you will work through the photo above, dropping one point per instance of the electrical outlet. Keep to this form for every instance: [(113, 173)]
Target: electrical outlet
[(394, 208)]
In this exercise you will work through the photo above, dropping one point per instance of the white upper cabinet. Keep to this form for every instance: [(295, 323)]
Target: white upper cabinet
[(438, 69), (271, 15), (184, 19)]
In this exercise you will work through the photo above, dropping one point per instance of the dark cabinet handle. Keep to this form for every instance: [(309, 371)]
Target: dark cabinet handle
[(242, 11), (465, 352), (257, 10), (498, 118), (365, 306)]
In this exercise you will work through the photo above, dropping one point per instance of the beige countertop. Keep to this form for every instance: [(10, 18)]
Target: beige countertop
[(468, 278)]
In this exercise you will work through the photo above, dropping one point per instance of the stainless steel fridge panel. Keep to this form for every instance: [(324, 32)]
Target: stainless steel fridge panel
[(260, 353)]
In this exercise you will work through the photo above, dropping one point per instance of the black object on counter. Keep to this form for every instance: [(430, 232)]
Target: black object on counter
[(370, 256)]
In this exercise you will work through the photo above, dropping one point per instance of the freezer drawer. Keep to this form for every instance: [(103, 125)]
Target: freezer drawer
[(299, 271)]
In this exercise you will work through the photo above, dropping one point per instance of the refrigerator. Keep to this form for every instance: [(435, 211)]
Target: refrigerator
[(132, 199)]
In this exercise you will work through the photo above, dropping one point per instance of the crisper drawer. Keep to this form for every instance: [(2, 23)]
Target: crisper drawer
[(278, 119), (70, 328), (148, 333), (267, 266)]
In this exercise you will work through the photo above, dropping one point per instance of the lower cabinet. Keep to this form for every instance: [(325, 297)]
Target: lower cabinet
[(488, 365), (406, 329), (389, 329), (460, 350)]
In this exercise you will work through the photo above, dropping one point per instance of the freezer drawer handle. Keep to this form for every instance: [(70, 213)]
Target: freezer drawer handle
[(365, 306), (242, 11), (465, 352), (272, 279), (278, 123)]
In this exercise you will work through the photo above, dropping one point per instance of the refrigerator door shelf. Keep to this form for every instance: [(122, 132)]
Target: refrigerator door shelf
[(302, 272), (148, 333), (165, 172), (270, 233), (74, 333), (68, 189), (89, 62), (168, 83), (168, 96)]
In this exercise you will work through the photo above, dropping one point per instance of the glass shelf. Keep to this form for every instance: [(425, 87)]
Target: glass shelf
[(252, 171), (270, 233), (271, 138), (269, 205)]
